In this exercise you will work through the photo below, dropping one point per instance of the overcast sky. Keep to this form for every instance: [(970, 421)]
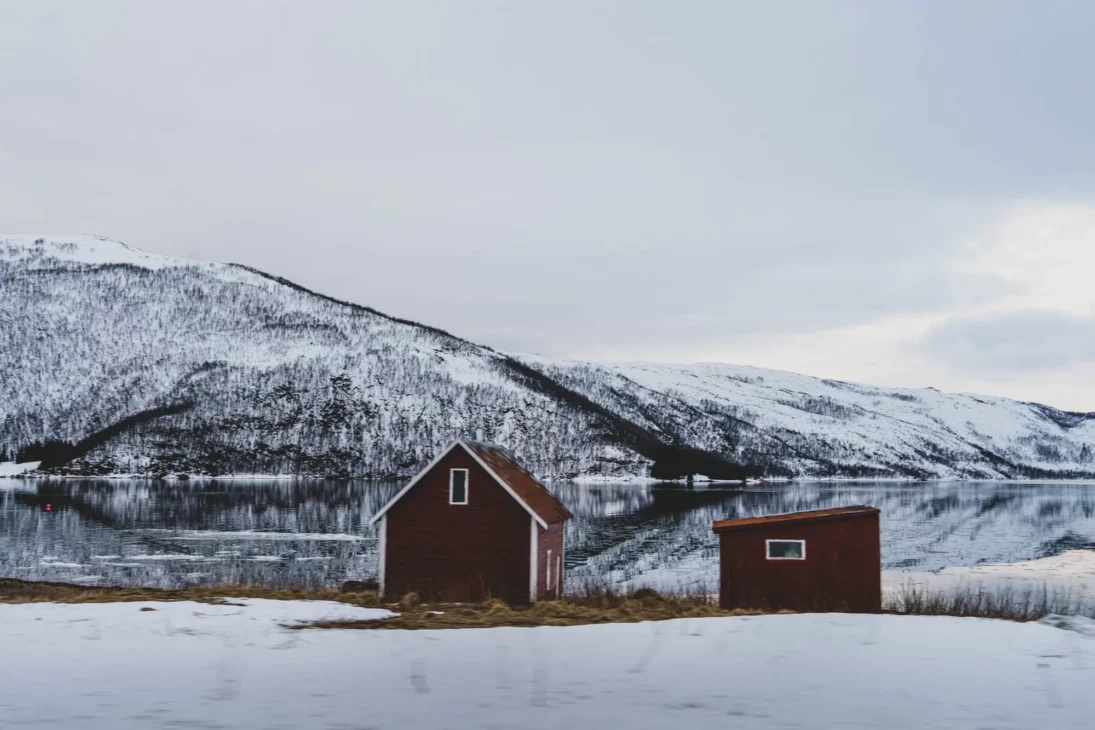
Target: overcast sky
[(894, 193)]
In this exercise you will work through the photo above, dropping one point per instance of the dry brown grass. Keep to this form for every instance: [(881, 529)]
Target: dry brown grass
[(1007, 602), (592, 606), (22, 591), (588, 604)]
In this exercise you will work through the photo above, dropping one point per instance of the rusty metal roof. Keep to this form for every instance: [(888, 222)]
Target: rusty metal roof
[(526, 487), (504, 467), (818, 515)]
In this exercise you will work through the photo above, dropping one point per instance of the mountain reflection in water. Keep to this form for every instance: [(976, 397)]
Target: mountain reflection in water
[(315, 534)]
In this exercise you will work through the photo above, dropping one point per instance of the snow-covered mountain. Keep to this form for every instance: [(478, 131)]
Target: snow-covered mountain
[(175, 366), (801, 425)]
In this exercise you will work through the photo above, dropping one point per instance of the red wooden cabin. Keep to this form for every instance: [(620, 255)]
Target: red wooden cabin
[(826, 560), (474, 524)]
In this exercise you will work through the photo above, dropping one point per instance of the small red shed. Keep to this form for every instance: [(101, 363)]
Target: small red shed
[(825, 560), (474, 524)]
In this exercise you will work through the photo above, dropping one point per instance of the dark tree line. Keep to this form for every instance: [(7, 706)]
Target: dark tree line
[(52, 450), (678, 462)]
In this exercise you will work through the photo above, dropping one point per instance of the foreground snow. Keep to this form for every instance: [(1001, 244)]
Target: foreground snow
[(114, 666)]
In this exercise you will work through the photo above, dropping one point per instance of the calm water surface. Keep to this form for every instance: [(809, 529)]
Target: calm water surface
[(315, 533)]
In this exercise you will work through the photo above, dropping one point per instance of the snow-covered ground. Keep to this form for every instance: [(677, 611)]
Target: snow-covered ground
[(1072, 573), (11, 469), (1077, 565), (112, 666)]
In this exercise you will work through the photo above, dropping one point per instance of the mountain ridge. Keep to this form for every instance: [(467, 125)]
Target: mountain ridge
[(291, 381)]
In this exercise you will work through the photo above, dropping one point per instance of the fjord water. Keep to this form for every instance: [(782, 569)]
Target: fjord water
[(315, 533)]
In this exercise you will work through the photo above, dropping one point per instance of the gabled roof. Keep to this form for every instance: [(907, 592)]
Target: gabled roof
[(505, 469), (819, 515)]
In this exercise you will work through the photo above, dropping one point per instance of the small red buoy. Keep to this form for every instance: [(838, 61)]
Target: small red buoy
[(49, 507)]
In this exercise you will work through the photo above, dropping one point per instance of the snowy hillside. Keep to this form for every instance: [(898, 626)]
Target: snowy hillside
[(796, 424), (263, 376), (281, 380)]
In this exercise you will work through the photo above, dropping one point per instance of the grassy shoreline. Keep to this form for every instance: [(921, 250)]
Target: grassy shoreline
[(591, 605), (13, 590)]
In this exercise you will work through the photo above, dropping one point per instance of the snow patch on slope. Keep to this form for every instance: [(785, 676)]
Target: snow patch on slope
[(11, 469), (80, 248)]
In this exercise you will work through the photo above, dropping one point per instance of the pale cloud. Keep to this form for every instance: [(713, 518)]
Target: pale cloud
[(1041, 317), (1043, 255), (1026, 340), (875, 352), (1027, 329)]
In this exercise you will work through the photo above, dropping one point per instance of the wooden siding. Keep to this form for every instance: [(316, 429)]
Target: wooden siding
[(467, 552), (549, 539), (842, 570)]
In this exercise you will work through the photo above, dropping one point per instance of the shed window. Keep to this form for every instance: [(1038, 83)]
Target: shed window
[(458, 486), (786, 549)]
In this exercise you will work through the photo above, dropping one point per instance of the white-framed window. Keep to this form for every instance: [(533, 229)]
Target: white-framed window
[(785, 549), (549, 570), (458, 486)]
